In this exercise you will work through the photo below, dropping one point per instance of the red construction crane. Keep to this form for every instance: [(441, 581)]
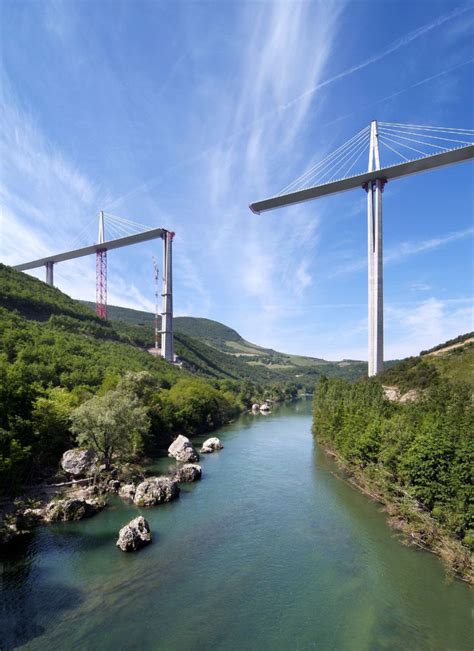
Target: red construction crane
[(101, 274)]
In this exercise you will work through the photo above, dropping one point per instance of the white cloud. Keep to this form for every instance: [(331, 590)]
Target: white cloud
[(430, 322), (270, 263), (303, 278), (406, 249), (420, 286), (60, 200), (399, 43), (409, 328), (45, 196)]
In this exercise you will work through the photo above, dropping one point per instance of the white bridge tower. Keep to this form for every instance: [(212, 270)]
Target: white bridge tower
[(374, 190)]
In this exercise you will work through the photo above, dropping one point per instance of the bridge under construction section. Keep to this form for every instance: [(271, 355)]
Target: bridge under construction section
[(434, 146), (100, 250)]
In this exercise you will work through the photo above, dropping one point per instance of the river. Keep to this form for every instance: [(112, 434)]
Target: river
[(269, 551)]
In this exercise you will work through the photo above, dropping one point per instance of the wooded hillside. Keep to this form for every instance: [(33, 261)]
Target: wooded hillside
[(56, 355)]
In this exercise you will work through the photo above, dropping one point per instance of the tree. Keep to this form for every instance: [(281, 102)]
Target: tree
[(112, 425), (141, 384)]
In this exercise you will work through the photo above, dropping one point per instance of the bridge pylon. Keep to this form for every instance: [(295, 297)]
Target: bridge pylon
[(334, 174), (374, 191), (167, 348)]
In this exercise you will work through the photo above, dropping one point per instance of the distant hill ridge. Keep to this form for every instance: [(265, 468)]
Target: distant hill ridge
[(453, 360), (457, 342), (214, 334), (33, 311)]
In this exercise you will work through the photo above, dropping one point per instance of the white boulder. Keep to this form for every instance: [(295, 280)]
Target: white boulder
[(211, 445), (183, 450), (127, 491), (79, 461), (156, 490), (188, 472), (134, 535)]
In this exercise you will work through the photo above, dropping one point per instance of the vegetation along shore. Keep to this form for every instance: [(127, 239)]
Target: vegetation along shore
[(406, 439), (68, 379)]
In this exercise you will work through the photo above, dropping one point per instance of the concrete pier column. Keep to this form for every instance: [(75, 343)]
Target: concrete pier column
[(49, 266), (167, 348), (370, 268), (375, 275), (378, 279)]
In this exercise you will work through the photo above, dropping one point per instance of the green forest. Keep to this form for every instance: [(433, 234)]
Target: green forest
[(417, 456), (58, 359)]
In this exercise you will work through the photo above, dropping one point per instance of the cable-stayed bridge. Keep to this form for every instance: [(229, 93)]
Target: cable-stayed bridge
[(124, 233), (408, 149)]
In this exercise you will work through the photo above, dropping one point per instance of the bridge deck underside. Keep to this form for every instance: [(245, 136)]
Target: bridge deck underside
[(342, 185), (89, 250)]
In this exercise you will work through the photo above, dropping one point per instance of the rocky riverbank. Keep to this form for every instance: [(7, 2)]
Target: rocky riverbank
[(88, 484)]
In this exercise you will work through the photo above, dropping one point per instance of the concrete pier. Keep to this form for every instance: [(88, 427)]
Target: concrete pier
[(49, 266), (375, 276), (375, 258), (167, 348)]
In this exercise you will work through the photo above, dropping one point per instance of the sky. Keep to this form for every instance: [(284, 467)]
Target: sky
[(178, 114)]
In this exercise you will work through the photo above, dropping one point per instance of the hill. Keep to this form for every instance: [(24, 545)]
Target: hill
[(33, 311), (246, 359), (457, 342), (451, 360)]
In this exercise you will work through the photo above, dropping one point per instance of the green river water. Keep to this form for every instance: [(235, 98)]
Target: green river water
[(270, 551)]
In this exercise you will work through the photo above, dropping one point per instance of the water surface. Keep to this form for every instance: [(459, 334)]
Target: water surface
[(269, 551)]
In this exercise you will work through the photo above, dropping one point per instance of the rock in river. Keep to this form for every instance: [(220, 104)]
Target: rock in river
[(188, 472), (156, 490), (71, 509), (134, 535), (211, 445), (127, 491), (183, 450), (79, 461)]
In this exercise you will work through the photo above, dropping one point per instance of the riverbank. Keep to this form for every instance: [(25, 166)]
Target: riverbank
[(268, 550), (20, 515), (407, 517), (416, 457)]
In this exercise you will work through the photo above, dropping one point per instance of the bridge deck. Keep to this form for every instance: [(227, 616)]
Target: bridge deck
[(88, 250), (342, 185)]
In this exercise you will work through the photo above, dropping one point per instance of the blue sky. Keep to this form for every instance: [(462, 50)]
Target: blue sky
[(179, 114)]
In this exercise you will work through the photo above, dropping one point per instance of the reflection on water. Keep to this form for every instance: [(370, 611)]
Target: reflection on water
[(268, 550)]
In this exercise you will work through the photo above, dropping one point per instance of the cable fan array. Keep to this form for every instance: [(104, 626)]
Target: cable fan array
[(433, 140), (120, 227), (397, 143), (114, 227), (334, 166)]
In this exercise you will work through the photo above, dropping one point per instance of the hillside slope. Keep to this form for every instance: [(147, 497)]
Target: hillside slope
[(56, 354), (56, 339), (449, 361), (47, 324), (250, 360)]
